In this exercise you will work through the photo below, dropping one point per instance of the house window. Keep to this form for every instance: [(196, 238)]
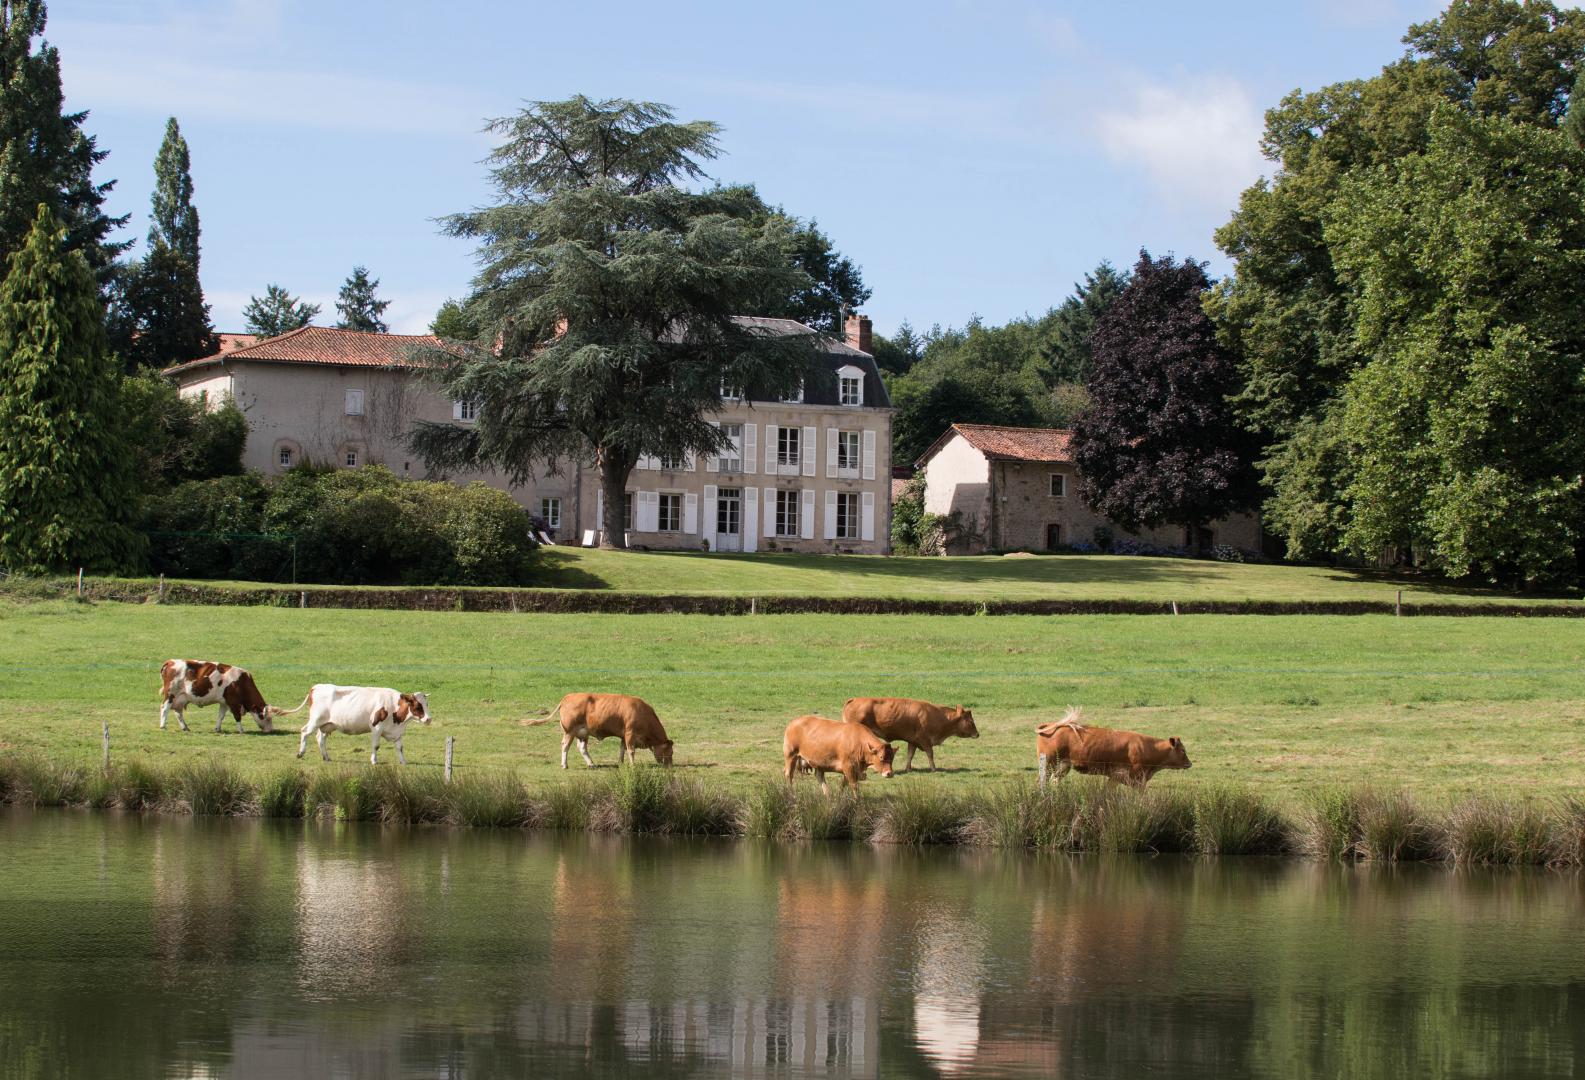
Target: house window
[(285, 457), (550, 513), (1059, 485), (731, 459), (352, 458), (848, 450), (466, 411), (852, 390), (730, 392), (671, 461), (787, 446), (795, 396), (670, 517), (354, 402), (847, 515), (787, 513)]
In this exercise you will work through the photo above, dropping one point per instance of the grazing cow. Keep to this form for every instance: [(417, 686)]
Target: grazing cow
[(828, 746), (205, 682), (376, 710), (602, 716), (1123, 757), (920, 724)]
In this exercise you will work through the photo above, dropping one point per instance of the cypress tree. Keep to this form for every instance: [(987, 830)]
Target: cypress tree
[(44, 155), (66, 489), (174, 219), (358, 306)]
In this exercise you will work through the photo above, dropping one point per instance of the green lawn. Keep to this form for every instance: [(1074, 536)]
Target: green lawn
[(985, 577), (1282, 704)]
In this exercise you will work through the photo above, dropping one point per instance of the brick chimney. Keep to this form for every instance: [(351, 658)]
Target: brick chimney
[(857, 332)]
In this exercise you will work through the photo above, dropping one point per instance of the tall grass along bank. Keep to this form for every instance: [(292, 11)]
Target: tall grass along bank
[(649, 800)]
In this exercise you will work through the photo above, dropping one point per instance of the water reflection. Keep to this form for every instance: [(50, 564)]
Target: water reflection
[(174, 947)]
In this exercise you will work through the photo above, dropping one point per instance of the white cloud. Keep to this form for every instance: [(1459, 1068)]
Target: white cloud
[(1198, 139)]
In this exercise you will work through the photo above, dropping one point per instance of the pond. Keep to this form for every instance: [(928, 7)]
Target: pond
[(181, 947)]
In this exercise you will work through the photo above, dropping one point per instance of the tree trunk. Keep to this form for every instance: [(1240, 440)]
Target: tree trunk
[(614, 470)]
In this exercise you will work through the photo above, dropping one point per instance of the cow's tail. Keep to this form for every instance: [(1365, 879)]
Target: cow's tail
[(1070, 719), (272, 711), (547, 718)]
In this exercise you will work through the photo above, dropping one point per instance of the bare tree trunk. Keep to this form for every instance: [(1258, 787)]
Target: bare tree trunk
[(614, 471)]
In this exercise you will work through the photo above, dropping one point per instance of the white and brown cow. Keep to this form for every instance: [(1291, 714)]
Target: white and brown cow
[(206, 682), (374, 710)]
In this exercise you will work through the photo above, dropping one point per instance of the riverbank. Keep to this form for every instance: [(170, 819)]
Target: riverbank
[(1076, 816)]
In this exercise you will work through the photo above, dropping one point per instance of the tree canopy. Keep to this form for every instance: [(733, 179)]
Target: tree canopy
[(277, 312), (173, 219), (611, 290), (360, 308)]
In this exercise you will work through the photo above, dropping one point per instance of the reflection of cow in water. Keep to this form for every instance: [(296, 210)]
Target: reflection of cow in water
[(1123, 757)]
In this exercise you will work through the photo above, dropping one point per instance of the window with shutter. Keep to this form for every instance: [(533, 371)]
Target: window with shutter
[(867, 517), (354, 406)]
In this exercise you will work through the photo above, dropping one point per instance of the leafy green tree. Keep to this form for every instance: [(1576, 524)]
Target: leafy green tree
[(611, 290), (1066, 348), (1574, 120), (158, 316), (895, 354), (277, 312), (1466, 428), (44, 155), (833, 284), (173, 439), (360, 308), (452, 323), (67, 492), (174, 218), (908, 512), (1159, 443)]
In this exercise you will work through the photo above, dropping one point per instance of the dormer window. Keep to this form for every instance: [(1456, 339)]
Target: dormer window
[(850, 386), (795, 397), (730, 392)]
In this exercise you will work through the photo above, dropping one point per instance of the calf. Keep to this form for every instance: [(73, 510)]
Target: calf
[(920, 724), (356, 710), (1123, 757), (602, 716), (828, 746), (205, 682)]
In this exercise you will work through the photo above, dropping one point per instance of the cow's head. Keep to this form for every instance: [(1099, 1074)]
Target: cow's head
[(963, 721), (878, 756), (1177, 757), (662, 752), (413, 707), (265, 715)]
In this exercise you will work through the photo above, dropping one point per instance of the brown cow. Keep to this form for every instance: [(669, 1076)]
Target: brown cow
[(1123, 757), (205, 682), (828, 746), (920, 724), (600, 716)]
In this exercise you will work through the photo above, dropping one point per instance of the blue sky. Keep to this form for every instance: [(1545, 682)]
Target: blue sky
[(973, 158)]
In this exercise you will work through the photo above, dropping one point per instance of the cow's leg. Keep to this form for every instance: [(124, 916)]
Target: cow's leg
[(930, 752), (566, 741), (1064, 766), (583, 748), (236, 712), (181, 717), (165, 710), (399, 755), (302, 740), (374, 746), (908, 766), (320, 737), (820, 774), (791, 766)]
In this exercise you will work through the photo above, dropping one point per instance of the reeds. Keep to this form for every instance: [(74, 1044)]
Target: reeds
[(1357, 824)]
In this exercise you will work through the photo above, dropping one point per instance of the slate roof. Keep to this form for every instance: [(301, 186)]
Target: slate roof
[(1044, 445)]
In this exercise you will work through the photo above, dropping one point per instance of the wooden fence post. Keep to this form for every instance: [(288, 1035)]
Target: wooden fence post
[(162, 588), (79, 583), (107, 745), (1041, 759), (1174, 607), (1397, 607), (450, 742), (302, 599)]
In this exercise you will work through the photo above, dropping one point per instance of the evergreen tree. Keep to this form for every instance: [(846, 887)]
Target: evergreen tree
[(358, 306), (1066, 350), (67, 491), (1574, 120), (157, 315), (44, 155), (1159, 443), (452, 322), (611, 290), (897, 353), (174, 220), (277, 312)]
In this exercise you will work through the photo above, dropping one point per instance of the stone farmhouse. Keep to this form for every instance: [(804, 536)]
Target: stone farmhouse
[(810, 474), (1017, 488)]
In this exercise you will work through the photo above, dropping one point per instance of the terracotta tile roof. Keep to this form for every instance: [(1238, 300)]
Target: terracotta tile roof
[(233, 342), (1008, 443), (324, 345)]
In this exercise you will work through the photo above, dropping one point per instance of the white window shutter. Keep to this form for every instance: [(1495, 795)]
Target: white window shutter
[(456, 410), (708, 530), (750, 450), (808, 450), (647, 511), (806, 514), (867, 517), (831, 514), (770, 512), (770, 449), (599, 512), (690, 514), (869, 454), (751, 519), (831, 453), (712, 463)]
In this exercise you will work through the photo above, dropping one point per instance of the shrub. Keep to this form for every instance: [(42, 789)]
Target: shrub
[(489, 799), (1118, 819), (1390, 828), (1329, 826), (30, 780), (766, 812), (284, 794), (209, 786), (137, 785), (407, 796), (1232, 822), (566, 805), (919, 815), (1486, 832)]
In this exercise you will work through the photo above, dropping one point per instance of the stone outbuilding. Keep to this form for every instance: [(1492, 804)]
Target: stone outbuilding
[(1015, 487)]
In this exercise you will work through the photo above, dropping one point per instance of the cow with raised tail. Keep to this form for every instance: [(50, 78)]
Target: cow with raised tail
[(828, 746), (207, 682), (920, 724), (376, 711), (1123, 757)]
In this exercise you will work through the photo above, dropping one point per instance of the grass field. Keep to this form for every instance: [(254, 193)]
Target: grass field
[(1282, 705)]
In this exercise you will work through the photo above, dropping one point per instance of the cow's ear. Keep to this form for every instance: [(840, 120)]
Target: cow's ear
[(1175, 741)]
